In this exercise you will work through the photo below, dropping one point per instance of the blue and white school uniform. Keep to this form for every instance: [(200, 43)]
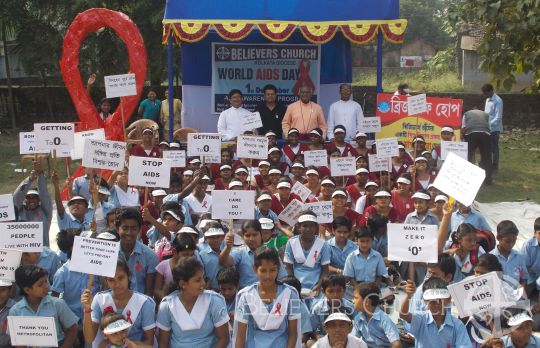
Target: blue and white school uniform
[(50, 261), (365, 269), (244, 259), (307, 264), (210, 261), (338, 256), (139, 311), (141, 262), (321, 310), (67, 221), (464, 267), (267, 324), (451, 334), (196, 328), (531, 253), (379, 331), (514, 266), (534, 342)]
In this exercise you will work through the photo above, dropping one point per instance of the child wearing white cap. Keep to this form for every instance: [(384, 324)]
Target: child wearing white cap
[(447, 134), (345, 149), (338, 328), (520, 335), (361, 141), (283, 197), (293, 147), (115, 331)]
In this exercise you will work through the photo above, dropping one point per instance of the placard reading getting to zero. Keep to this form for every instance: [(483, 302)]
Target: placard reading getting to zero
[(204, 144)]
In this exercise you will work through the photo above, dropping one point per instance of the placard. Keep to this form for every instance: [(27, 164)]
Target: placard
[(7, 209), (104, 154), (316, 158), (54, 136), (370, 125), (233, 204), (416, 104), (251, 121), (474, 295), (78, 148), (32, 331), (204, 144), (176, 157), (252, 147), (9, 261), (460, 179), (342, 166), (120, 85), (149, 172), (23, 236), (301, 191), (27, 144), (323, 210), (460, 148), (212, 159), (412, 242), (387, 147), (289, 215), (377, 164), (94, 256)]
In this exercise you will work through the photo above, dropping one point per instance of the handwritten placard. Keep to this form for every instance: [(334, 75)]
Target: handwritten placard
[(94, 256), (323, 210), (416, 104), (7, 209), (250, 121), (301, 191), (32, 331), (460, 148), (54, 136), (204, 144), (149, 172), (9, 261), (459, 179), (370, 125), (212, 159), (78, 149), (316, 158), (377, 164), (233, 204), (342, 166), (252, 147), (289, 215), (23, 236), (176, 157), (104, 154), (413, 243), (387, 147), (120, 85)]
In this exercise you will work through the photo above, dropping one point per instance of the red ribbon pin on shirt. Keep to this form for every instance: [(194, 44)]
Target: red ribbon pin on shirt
[(278, 309), (128, 317), (315, 255)]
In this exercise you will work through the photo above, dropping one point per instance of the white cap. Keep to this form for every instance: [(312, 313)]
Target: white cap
[(104, 191), (76, 198), (32, 192), (265, 163), (204, 222), (307, 217), (430, 186), (402, 180), (158, 193), (518, 319), (362, 170), (382, 194), (426, 153), (316, 132), (241, 170), (339, 130), (283, 184), (164, 143), (339, 193), (297, 165), (447, 129), (188, 172), (116, 326), (187, 229), (235, 183), (328, 182), (225, 166), (274, 149), (435, 294), (147, 129), (337, 316), (371, 183), (206, 177), (420, 158), (421, 195), (107, 236), (293, 130), (214, 231), (194, 160), (441, 198), (418, 139), (264, 197), (173, 214), (174, 145), (4, 282), (401, 147), (312, 172), (266, 223), (270, 133), (360, 134), (274, 171)]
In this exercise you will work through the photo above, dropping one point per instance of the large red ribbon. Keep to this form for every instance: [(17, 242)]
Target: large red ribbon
[(304, 79)]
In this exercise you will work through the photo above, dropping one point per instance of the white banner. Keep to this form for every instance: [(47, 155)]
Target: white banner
[(413, 243), (54, 136), (370, 125), (176, 157), (149, 172), (289, 215), (120, 85), (9, 261), (233, 204), (94, 256), (342, 166), (460, 148), (252, 147), (301, 190), (416, 104), (323, 210), (204, 144), (378, 164), (251, 121), (27, 144), (104, 154), (24, 236), (7, 209), (387, 147), (78, 148), (32, 331), (316, 158)]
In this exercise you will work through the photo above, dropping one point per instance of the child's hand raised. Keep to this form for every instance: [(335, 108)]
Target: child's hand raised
[(449, 207), (86, 299), (230, 239), (410, 288)]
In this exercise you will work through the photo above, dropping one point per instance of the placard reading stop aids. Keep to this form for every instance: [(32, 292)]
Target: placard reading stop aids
[(233, 204), (54, 136), (23, 236), (413, 243), (32, 331), (94, 256), (149, 172), (204, 144)]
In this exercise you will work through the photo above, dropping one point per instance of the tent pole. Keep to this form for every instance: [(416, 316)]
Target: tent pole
[(170, 77), (379, 60)]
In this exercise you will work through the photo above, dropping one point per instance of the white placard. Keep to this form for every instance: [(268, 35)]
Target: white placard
[(416, 104), (413, 243), (9, 261), (176, 157), (289, 215), (104, 154), (32, 331), (323, 210), (7, 209), (54, 136), (212, 159), (301, 190), (460, 179), (149, 172), (27, 144), (250, 121), (387, 147), (474, 295), (252, 147), (460, 148), (233, 204), (377, 164), (120, 85), (370, 125), (23, 236), (204, 144), (342, 166), (316, 158), (94, 256), (78, 149)]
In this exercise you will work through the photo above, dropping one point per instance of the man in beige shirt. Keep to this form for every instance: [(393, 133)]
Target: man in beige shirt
[(164, 117), (304, 115)]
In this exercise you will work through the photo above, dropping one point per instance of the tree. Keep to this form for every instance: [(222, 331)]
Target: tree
[(425, 21), (511, 43)]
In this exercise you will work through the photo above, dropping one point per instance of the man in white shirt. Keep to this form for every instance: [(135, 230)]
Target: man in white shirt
[(403, 89), (345, 112), (229, 120)]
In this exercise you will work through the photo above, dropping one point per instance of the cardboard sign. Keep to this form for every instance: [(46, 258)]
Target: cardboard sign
[(413, 243), (104, 154), (323, 210), (370, 125), (252, 147), (301, 190), (460, 148), (32, 331), (54, 136), (289, 215), (250, 121), (24, 236), (120, 85), (7, 209), (387, 147), (416, 104), (212, 159), (204, 144), (176, 157), (94, 256), (473, 295), (342, 166), (316, 158), (460, 179), (9, 261), (149, 172), (78, 149), (27, 144), (233, 204), (377, 164)]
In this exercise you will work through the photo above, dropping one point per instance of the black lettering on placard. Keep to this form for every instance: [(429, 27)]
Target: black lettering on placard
[(95, 262), (56, 141), (151, 174), (475, 284), (206, 148), (3, 215), (151, 163), (482, 296)]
